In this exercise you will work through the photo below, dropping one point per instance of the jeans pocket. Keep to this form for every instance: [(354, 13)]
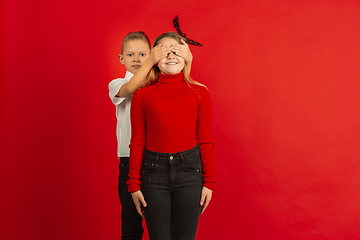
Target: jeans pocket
[(148, 167), (192, 163)]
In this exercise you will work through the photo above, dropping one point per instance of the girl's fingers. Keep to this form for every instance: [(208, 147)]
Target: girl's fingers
[(202, 200), (204, 206), (206, 195), (139, 210), (143, 202), (139, 200), (138, 207)]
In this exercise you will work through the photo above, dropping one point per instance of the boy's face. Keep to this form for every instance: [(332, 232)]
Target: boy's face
[(135, 53)]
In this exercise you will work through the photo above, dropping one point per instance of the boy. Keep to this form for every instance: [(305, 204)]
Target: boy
[(138, 60)]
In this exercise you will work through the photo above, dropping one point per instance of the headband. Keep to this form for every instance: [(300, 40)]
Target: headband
[(188, 40)]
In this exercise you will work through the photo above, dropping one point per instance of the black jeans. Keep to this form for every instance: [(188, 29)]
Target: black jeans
[(172, 184), (131, 228)]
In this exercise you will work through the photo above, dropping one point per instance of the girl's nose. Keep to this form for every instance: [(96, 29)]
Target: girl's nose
[(171, 55)]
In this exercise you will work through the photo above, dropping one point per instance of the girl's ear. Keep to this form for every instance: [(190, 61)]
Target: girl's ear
[(121, 59)]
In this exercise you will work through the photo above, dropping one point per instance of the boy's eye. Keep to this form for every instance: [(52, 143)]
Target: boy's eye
[(143, 54), (129, 54)]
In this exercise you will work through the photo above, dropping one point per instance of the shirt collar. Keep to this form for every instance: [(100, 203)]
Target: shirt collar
[(128, 75)]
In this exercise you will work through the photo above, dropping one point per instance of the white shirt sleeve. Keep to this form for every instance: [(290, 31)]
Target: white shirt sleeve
[(114, 87)]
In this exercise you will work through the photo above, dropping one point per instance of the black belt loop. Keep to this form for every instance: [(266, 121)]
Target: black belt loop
[(157, 158), (181, 157)]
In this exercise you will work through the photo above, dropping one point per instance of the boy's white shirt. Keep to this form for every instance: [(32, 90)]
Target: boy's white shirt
[(123, 104)]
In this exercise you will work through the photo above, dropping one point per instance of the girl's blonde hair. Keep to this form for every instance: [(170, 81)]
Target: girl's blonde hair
[(153, 75)]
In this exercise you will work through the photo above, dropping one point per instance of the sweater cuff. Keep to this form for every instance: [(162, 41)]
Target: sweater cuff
[(209, 185), (133, 186)]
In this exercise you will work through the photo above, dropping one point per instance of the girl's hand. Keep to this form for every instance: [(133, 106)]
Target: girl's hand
[(157, 53), (206, 194), (183, 50), (139, 200)]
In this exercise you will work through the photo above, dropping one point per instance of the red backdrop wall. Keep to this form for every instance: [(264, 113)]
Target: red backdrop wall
[(284, 82)]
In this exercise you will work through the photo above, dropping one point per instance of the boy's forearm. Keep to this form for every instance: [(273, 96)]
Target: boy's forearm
[(136, 81)]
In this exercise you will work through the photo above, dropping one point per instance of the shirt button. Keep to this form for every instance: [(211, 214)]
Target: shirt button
[(171, 157)]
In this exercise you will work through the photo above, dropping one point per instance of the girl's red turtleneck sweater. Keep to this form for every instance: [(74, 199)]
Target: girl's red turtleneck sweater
[(169, 117)]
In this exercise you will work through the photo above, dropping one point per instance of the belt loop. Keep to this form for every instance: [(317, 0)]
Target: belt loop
[(181, 157), (157, 158)]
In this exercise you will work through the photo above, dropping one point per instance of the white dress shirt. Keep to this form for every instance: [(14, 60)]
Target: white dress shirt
[(123, 104)]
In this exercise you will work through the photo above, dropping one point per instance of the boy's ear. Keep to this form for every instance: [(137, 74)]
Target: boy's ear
[(121, 59)]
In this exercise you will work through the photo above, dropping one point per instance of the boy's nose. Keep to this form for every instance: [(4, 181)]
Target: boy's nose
[(136, 58)]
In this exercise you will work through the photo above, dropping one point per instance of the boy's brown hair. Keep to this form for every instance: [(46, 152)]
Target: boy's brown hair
[(135, 36)]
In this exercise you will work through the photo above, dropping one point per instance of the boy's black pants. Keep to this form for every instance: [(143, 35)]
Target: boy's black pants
[(131, 227)]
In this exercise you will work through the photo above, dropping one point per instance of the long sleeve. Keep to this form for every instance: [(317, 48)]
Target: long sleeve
[(205, 139), (137, 143)]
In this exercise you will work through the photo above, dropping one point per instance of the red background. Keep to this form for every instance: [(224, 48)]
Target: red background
[(284, 82)]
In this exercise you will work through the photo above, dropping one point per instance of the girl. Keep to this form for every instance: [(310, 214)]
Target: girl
[(138, 60), (171, 171)]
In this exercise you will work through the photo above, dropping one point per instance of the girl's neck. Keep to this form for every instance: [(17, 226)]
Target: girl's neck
[(176, 78)]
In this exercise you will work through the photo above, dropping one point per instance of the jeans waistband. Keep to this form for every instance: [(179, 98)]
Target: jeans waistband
[(124, 159), (166, 157)]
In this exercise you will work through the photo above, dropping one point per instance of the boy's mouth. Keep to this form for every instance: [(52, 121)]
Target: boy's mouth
[(136, 66), (171, 63)]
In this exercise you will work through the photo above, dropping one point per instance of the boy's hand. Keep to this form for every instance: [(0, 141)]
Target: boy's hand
[(183, 50), (206, 195), (139, 200), (157, 53)]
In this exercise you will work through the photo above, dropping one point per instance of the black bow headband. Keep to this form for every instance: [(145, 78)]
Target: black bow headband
[(188, 40)]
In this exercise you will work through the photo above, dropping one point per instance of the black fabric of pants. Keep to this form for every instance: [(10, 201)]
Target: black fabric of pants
[(172, 184), (131, 228)]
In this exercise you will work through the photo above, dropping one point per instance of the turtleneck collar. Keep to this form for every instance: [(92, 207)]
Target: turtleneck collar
[(177, 78)]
